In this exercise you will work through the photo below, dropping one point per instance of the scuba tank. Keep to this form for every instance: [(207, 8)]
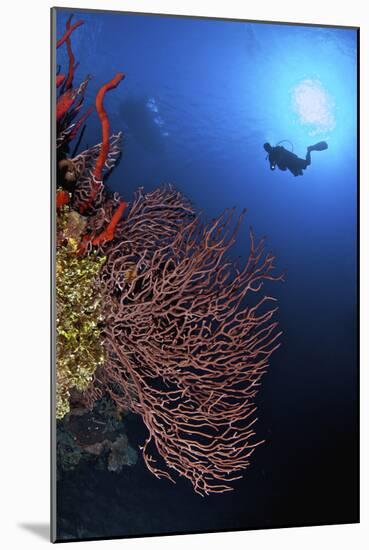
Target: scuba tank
[(282, 141), (286, 141)]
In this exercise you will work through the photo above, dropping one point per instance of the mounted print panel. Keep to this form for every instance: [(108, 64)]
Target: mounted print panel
[(205, 362)]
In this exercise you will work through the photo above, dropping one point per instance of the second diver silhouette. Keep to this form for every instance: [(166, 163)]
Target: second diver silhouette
[(286, 160)]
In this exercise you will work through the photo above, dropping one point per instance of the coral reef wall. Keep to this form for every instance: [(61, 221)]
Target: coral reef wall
[(153, 311)]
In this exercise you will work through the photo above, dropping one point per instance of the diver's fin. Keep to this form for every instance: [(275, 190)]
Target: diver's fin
[(320, 146)]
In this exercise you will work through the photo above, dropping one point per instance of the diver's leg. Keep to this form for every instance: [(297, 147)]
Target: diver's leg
[(308, 157)]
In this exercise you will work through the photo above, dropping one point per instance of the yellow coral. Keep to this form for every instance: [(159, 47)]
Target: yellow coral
[(79, 348)]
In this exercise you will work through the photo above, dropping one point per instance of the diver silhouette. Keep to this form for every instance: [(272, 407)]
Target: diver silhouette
[(287, 160)]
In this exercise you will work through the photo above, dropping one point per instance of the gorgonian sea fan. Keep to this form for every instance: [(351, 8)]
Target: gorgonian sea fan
[(184, 347)]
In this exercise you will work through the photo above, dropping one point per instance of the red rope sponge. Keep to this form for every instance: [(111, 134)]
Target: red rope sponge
[(104, 149), (62, 198), (105, 126), (109, 232), (69, 81), (68, 32), (64, 103), (59, 79)]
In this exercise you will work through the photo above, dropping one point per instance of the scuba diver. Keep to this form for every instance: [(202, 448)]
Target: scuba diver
[(285, 159)]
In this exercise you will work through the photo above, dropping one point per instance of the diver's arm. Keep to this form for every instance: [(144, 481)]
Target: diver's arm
[(273, 158)]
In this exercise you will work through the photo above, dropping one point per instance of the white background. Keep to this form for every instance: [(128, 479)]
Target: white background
[(24, 270)]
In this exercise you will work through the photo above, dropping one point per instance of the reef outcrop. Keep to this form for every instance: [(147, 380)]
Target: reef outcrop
[(179, 332)]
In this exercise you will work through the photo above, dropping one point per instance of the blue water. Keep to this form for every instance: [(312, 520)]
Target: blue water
[(199, 99)]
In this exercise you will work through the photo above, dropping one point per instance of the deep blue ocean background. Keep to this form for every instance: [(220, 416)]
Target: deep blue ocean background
[(199, 99)]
